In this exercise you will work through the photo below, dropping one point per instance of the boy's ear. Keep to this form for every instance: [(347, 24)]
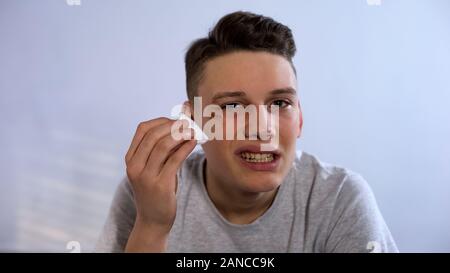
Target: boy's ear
[(187, 110)]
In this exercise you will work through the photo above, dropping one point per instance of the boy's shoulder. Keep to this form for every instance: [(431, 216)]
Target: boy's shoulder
[(326, 183)]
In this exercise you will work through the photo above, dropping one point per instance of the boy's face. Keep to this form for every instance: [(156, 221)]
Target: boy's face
[(256, 75)]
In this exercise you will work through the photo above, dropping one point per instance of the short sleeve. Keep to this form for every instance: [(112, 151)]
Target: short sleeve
[(356, 223), (120, 220)]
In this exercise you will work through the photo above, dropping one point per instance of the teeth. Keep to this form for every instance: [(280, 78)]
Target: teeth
[(257, 157)]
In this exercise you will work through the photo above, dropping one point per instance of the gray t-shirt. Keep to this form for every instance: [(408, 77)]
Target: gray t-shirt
[(318, 208)]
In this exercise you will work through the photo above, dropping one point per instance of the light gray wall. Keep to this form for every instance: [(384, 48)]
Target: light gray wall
[(75, 80)]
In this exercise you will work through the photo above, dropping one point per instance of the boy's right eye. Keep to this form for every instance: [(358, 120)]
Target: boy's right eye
[(230, 105)]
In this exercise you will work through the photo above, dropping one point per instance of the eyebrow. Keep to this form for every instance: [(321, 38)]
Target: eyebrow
[(228, 94), (287, 90)]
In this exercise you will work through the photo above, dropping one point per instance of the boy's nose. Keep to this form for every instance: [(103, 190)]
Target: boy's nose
[(264, 129)]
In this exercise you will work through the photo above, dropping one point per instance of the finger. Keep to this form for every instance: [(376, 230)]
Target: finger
[(140, 133), (143, 151), (174, 161), (163, 149)]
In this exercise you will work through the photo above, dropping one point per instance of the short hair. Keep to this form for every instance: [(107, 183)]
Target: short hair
[(237, 31)]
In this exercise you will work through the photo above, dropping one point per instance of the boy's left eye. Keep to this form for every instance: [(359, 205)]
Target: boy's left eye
[(280, 103)]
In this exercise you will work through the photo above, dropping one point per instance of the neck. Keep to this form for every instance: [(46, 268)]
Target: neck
[(238, 207)]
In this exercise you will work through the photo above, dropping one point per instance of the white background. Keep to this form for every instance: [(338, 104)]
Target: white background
[(76, 80)]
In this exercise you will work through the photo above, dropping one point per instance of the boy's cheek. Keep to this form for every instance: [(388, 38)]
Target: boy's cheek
[(286, 126)]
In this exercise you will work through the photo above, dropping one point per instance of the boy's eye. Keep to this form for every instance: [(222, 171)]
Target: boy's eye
[(280, 103), (231, 105)]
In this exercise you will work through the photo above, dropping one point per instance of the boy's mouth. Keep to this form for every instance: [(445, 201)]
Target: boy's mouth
[(252, 157), (257, 157)]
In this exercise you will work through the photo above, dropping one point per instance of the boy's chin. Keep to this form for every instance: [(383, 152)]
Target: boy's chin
[(263, 185)]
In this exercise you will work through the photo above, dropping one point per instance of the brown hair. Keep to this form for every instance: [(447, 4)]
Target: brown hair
[(237, 31)]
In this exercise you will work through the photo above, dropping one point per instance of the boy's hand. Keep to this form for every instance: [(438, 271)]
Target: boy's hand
[(152, 162)]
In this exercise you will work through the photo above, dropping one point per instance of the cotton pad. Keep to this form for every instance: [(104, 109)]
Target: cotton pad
[(199, 135)]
